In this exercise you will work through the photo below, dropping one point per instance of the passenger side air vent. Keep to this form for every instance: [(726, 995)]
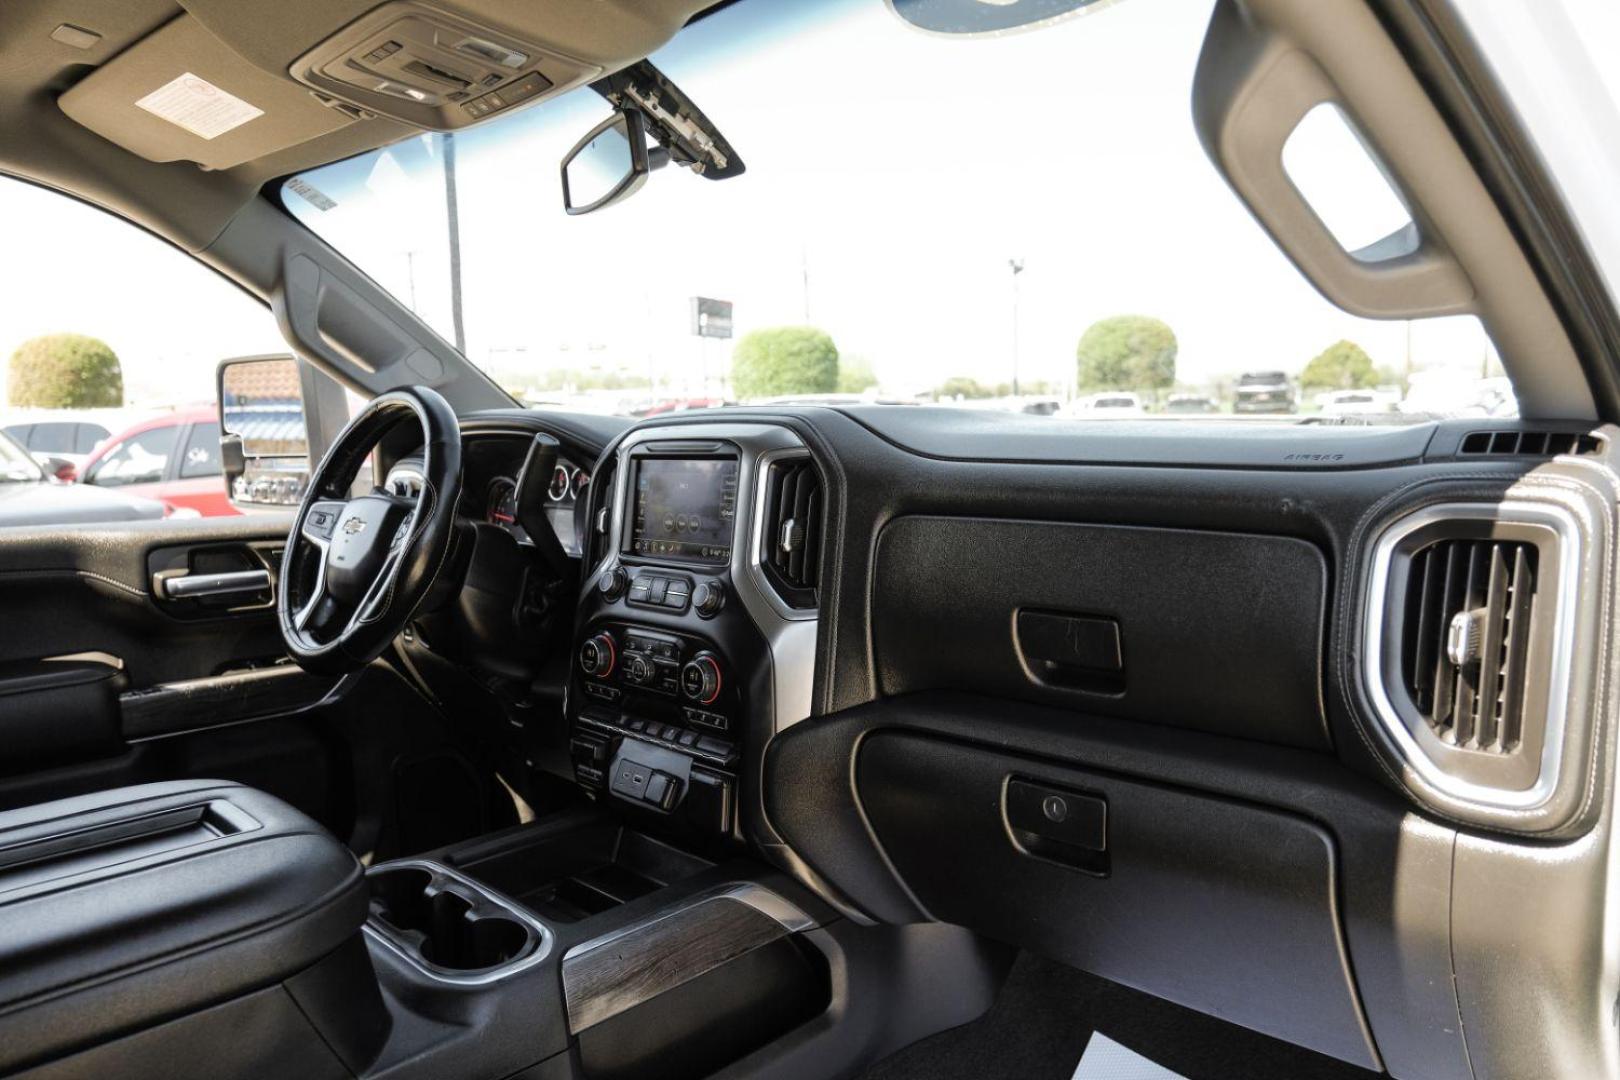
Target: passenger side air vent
[(1467, 650), (790, 538), (1467, 638), (1527, 443)]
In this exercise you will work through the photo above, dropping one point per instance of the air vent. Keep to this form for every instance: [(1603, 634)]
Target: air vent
[(1467, 640), (790, 548), (599, 519), (1468, 651), (1527, 443)]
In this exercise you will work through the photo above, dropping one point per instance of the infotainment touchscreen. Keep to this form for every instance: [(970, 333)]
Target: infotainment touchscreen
[(685, 508)]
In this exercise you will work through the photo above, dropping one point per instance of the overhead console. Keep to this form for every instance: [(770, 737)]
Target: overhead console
[(689, 655), (434, 69)]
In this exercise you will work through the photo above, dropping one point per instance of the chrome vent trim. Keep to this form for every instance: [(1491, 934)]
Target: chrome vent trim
[(1515, 771), (792, 517)]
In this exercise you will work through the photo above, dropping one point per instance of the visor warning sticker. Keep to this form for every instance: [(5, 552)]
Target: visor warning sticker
[(198, 106)]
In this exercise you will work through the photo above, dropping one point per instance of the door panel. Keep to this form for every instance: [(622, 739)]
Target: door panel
[(147, 652)]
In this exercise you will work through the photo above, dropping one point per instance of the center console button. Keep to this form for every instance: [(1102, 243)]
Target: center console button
[(638, 670), (612, 583), (658, 590), (709, 598), (639, 589)]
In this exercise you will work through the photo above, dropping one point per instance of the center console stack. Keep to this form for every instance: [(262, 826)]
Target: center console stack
[(672, 693)]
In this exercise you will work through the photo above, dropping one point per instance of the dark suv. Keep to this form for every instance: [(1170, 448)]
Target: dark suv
[(1264, 392)]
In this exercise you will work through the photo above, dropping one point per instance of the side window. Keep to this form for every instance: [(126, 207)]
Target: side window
[(108, 366), (139, 459), (89, 435), (202, 452), (55, 438)]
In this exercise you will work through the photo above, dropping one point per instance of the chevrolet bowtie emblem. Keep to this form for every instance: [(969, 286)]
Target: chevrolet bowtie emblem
[(354, 525)]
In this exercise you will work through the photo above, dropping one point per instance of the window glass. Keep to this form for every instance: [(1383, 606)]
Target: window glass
[(88, 436), (202, 452), (139, 459), (106, 329), (1016, 221), (53, 438)]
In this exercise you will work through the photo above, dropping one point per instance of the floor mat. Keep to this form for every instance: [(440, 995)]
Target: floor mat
[(1046, 1013)]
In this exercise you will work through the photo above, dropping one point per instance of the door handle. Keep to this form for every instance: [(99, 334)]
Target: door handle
[(195, 586)]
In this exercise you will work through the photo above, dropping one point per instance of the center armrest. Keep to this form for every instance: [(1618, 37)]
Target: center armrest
[(124, 908)]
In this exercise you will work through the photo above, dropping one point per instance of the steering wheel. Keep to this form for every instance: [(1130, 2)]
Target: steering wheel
[(356, 569)]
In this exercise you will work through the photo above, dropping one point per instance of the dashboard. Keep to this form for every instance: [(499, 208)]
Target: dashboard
[(494, 463), (1128, 671)]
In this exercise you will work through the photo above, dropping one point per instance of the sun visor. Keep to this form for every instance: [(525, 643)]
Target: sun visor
[(181, 94)]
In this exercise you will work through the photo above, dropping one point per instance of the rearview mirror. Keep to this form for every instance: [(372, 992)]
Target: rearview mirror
[(608, 165)]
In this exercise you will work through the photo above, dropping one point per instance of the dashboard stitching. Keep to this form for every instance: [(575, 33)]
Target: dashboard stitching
[(133, 590)]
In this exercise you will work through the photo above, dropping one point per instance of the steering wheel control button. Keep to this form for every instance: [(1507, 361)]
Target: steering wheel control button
[(598, 656), (709, 598), (612, 583), (700, 679)]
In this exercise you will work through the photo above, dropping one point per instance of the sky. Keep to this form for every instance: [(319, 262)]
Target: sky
[(891, 176)]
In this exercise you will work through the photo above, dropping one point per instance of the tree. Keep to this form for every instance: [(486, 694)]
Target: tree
[(784, 360), (65, 371), (1344, 365), (960, 386), (855, 375), (1127, 352)]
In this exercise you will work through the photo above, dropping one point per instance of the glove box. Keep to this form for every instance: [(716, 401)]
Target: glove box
[(1226, 907)]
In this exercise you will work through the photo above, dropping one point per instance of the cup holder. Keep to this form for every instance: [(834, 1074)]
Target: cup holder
[(445, 922)]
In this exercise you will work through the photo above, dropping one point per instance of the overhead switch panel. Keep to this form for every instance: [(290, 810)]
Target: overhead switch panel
[(433, 69)]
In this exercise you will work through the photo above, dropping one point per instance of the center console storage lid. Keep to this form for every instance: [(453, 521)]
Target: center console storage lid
[(128, 907)]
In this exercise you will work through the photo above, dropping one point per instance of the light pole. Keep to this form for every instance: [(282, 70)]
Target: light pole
[(1017, 267)]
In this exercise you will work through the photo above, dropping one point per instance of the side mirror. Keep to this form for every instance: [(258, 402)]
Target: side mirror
[(59, 469), (608, 165), (276, 413)]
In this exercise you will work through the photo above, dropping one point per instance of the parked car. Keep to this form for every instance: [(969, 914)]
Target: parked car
[(1190, 404), (1264, 392), (1110, 404), (29, 496), (68, 439), (174, 459), (1356, 403)]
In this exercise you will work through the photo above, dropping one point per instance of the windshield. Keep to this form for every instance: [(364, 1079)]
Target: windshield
[(15, 464), (1018, 221)]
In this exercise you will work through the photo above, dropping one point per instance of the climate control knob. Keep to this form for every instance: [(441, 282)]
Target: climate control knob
[(598, 655), (700, 679), (638, 671)]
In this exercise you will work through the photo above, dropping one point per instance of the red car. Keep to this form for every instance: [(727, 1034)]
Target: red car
[(174, 459)]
